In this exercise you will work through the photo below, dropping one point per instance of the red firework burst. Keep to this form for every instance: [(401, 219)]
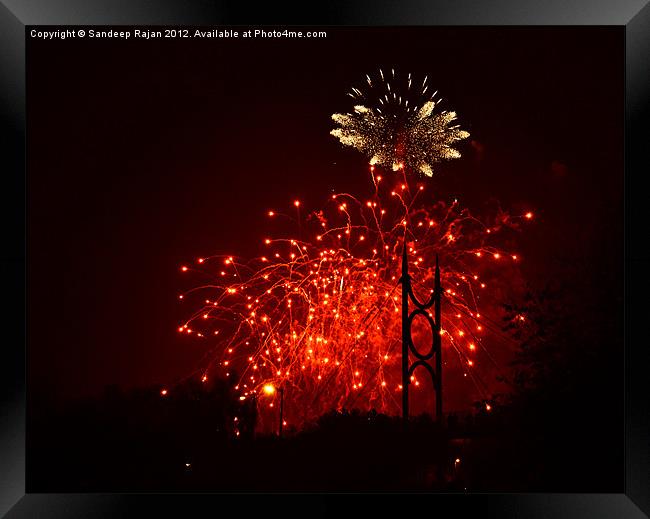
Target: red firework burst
[(319, 316)]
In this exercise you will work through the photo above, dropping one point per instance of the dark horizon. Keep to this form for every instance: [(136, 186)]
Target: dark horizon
[(140, 152)]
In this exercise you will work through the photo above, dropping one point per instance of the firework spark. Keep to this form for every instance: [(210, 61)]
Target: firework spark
[(398, 124)]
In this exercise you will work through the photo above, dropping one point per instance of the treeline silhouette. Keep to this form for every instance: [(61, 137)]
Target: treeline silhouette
[(187, 441), (140, 441)]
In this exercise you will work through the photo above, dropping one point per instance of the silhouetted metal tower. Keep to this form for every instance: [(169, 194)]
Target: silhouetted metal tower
[(427, 359)]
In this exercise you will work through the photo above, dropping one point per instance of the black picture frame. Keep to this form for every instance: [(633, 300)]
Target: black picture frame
[(632, 15)]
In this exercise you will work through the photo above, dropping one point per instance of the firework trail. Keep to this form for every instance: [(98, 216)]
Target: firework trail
[(398, 125)]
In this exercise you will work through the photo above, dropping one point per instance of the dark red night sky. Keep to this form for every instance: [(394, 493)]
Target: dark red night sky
[(144, 154)]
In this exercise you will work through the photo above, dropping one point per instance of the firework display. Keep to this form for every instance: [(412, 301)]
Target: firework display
[(319, 316), (399, 124)]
